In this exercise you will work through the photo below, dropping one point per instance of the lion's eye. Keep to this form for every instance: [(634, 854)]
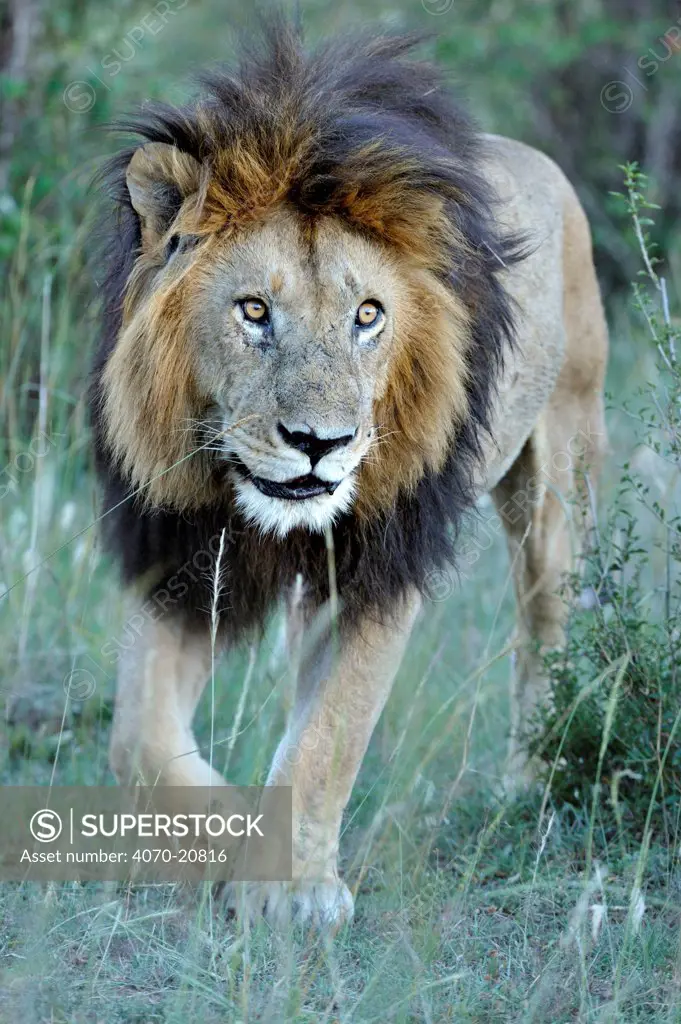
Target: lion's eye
[(368, 314), (255, 310)]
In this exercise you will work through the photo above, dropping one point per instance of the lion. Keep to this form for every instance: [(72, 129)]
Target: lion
[(336, 315)]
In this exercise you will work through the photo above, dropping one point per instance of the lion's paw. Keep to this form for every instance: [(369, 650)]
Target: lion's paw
[(324, 905)]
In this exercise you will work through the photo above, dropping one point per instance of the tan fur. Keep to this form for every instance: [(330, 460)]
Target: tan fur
[(548, 432), (150, 402), (569, 441), (425, 397)]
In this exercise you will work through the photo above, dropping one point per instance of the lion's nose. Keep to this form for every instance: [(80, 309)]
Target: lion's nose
[(315, 443)]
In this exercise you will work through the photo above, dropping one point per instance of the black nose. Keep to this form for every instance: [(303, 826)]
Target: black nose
[(312, 444)]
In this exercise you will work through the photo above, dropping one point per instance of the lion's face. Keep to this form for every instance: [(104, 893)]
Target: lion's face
[(291, 332), (318, 361)]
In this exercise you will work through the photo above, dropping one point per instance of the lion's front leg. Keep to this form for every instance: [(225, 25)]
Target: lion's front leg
[(336, 709), (160, 680)]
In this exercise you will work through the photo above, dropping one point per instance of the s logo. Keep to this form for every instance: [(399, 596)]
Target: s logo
[(45, 826)]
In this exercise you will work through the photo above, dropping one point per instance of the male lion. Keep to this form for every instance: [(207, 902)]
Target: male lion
[(335, 316)]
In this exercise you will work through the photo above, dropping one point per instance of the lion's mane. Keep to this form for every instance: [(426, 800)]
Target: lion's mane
[(360, 131)]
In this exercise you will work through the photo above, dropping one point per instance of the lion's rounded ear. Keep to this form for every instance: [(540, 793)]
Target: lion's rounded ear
[(159, 178)]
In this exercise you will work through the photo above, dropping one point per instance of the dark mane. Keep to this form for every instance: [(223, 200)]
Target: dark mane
[(343, 130)]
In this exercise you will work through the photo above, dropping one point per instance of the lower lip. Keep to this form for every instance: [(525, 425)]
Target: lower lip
[(287, 491)]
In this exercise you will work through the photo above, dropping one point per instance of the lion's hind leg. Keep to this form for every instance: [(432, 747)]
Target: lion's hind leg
[(547, 517)]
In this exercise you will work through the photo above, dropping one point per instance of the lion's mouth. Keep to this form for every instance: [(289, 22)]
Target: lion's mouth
[(298, 489)]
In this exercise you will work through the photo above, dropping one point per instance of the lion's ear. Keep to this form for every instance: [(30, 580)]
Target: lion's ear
[(159, 178)]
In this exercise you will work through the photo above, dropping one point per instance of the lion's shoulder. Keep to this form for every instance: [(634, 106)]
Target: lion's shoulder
[(530, 188)]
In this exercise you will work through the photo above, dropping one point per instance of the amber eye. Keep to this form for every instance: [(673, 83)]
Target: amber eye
[(255, 310), (368, 313)]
